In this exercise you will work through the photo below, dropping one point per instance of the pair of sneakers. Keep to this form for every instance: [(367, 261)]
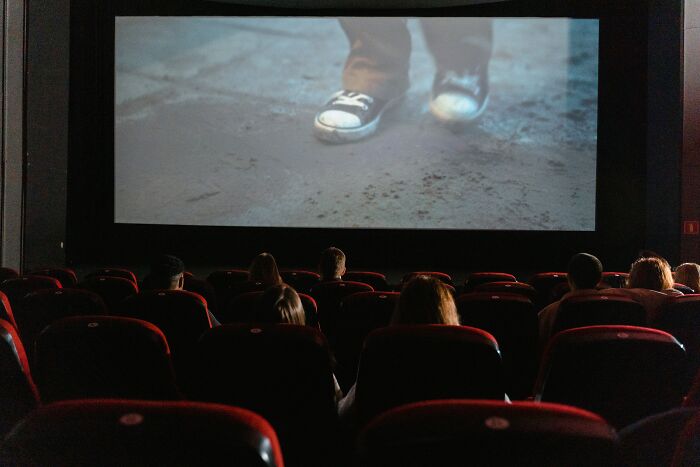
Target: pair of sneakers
[(456, 99)]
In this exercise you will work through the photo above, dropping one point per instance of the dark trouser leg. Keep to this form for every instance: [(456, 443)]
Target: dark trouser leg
[(380, 49), (459, 44)]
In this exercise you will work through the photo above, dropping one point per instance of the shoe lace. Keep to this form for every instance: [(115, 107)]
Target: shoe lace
[(468, 82), (353, 99)]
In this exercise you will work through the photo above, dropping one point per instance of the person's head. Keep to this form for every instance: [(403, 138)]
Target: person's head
[(584, 271), (650, 273), (281, 304), (264, 269), (425, 300), (689, 274), (332, 264), (167, 272)]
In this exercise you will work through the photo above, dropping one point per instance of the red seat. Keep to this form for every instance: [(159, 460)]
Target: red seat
[(512, 320), (598, 309), (438, 275), (301, 281), (375, 279), (43, 307), (141, 433), (544, 284), (508, 287), (15, 289), (6, 312), (280, 371), (681, 318), (114, 272), (18, 395), (65, 276), (243, 309), (328, 296), (486, 433), (358, 315), (616, 280), (223, 281), (477, 278), (623, 373), (204, 289), (113, 290), (103, 356), (8, 273), (409, 363)]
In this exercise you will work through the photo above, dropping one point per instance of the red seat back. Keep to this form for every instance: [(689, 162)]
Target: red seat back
[(65, 276), (375, 279), (301, 281), (477, 278), (113, 290), (598, 309)]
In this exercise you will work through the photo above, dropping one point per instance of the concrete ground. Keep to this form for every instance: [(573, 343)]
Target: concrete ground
[(213, 126)]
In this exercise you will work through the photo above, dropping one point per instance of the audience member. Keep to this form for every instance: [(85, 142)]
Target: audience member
[(281, 304), (264, 270), (689, 274), (584, 272), (331, 266)]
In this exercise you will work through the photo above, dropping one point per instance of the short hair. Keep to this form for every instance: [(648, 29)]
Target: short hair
[(332, 262), (264, 269), (425, 300), (584, 271), (650, 273), (165, 271), (689, 274), (280, 304)]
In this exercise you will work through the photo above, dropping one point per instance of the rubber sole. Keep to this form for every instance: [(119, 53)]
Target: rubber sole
[(449, 120), (330, 134)]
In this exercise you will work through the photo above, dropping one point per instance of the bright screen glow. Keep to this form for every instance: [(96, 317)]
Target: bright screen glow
[(452, 123)]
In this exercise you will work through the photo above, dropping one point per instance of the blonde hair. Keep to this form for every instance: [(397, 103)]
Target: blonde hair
[(281, 304), (650, 273), (264, 269), (689, 274), (425, 300)]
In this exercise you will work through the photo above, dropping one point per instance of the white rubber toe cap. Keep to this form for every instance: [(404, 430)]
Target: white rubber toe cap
[(339, 119), (455, 107)]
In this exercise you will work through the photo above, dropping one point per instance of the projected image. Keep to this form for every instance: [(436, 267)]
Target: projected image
[(426, 123)]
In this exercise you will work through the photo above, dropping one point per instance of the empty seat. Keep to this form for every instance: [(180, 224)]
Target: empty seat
[(486, 433), (243, 309), (224, 280), (204, 289), (409, 363), (8, 273), (512, 320), (280, 371), (359, 314), (477, 278), (43, 307), (15, 289), (544, 284), (300, 280), (616, 280), (142, 433), (113, 290), (328, 296), (623, 373), (103, 356), (375, 279), (652, 441), (6, 312), (446, 278), (598, 309), (508, 287), (681, 318), (113, 272), (18, 395), (65, 276)]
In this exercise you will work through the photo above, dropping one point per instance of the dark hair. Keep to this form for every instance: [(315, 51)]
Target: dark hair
[(264, 269), (165, 271), (332, 263), (584, 271), (280, 304), (425, 300)]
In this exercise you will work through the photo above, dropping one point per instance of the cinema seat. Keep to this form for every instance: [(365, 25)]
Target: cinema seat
[(512, 320), (623, 373), (616, 280), (15, 289), (41, 308), (486, 433), (113, 272), (544, 283), (446, 278), (18, 395), (6, 312), (375, 279), (477, 278), (65, 276), (204, 289), (328, 296), (410, 363), (300, 280), (358, 315), (681, 318), (243, 309), (683, 289), (113, 290), (508, 287), (8, 273), (687, 452), (598, 309), (141, 433), (103, 357), (223, 282), (280, 371), (652, 441)]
